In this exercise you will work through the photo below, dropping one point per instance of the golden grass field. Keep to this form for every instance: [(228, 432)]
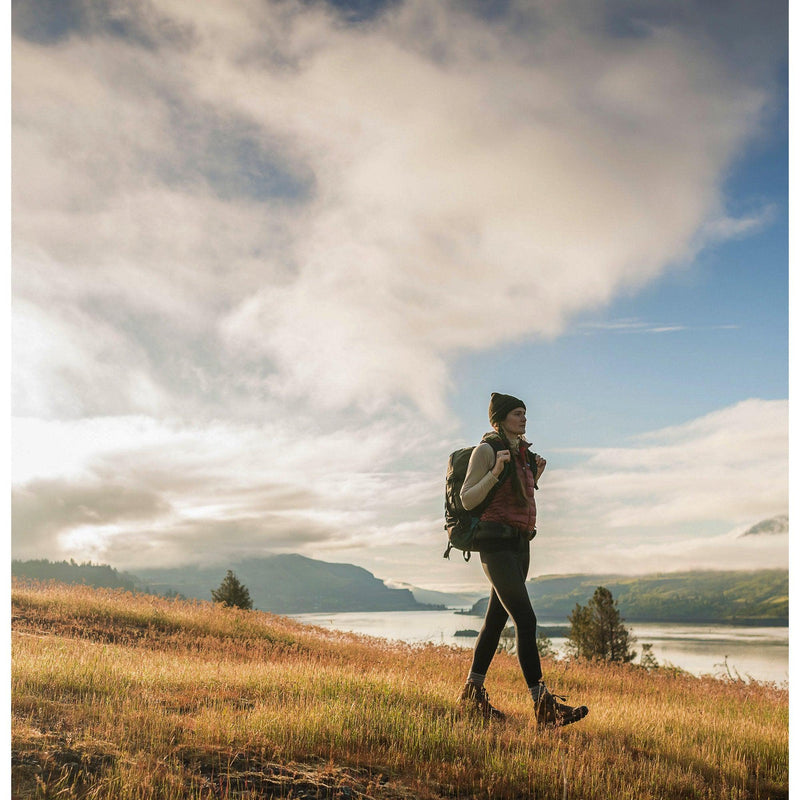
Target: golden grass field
[(116, 695)]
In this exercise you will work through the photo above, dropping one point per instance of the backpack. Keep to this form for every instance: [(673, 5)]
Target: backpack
[(459, 523)]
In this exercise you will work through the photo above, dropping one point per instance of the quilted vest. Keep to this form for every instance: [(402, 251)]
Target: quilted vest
[(505, 507)]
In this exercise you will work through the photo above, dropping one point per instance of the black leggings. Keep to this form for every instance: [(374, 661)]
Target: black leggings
[(507, 571)]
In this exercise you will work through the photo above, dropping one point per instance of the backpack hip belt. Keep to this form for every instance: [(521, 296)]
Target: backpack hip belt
[(497, 530)]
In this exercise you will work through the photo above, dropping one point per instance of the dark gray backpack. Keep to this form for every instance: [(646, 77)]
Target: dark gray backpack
[(459, 523)]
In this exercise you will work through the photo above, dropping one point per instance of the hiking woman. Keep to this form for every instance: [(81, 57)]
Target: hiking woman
[(502, 465)]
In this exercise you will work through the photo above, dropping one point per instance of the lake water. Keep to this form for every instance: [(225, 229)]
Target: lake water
[(758, 653)]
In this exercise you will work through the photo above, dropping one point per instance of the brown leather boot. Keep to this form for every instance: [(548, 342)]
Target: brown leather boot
[(552, 714), (475, 697)]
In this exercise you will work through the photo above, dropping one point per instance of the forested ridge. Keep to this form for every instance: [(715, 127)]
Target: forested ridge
[(87, 573), (758, 597)]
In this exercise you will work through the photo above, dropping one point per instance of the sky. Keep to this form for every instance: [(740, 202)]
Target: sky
[(271, 257)]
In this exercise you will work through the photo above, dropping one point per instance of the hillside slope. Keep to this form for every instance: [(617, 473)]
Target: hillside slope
[(132, 696), (759, 597), (282, 584), (97, 575), (290, 584)]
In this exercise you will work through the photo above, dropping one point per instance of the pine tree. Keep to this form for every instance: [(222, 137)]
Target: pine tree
[(597, 630), (232, 592)]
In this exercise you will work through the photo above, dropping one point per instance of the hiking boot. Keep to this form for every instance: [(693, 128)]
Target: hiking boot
[(475, 697), (552, 714)]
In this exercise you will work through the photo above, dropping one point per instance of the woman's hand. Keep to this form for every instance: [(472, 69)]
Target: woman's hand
[(540, 465), (503, 457)]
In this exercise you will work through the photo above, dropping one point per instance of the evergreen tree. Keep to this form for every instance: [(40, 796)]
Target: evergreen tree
[(232, 592), (596, 630)]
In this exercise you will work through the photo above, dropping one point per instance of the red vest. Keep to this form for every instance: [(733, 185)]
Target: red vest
[(505, 506)]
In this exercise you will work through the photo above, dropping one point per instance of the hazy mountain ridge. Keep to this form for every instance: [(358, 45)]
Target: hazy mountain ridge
[(292, 584), (289, 584), (760, 597), (769, 527), (282, 584), (433, 596)]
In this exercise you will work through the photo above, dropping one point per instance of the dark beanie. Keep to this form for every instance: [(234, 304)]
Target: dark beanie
[(500, 405)]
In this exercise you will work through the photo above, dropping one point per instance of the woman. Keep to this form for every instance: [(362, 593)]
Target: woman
[(507, 524)]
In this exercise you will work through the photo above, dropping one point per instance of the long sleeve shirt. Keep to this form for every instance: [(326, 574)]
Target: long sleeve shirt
[(479, 480)]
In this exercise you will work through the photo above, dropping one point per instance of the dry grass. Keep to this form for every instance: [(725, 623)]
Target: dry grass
[(130, 696)]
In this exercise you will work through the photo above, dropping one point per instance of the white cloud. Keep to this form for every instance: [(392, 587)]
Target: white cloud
[(124, 489), (728, 465), (249, 238), (325, 212), (127, 490), (673, 553), (650, 506), (628, 326)]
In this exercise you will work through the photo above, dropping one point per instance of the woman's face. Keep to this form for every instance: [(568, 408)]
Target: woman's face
[(515, 422)]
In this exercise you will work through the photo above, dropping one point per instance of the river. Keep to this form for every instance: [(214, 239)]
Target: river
[(757, 653)]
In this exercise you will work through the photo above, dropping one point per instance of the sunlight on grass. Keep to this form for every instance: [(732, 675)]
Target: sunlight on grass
[(120, 696)]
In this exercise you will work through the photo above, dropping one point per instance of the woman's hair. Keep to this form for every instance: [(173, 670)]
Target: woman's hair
[(516, 483)]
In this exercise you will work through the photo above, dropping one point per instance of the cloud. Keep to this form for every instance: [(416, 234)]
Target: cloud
[(637, 326), (217, 205), (202, 542), (673, 554), (656, 503), (41, 508), (628, 326), (250, 238), (127, 490)]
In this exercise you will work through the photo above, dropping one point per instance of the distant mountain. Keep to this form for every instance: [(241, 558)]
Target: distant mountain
[(289, 584), (282, 584), (437, 598), (732, 597), (768, 527)]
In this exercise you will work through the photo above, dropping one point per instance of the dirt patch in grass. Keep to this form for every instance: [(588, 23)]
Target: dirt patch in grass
[(65, 771), (56, 768), (240, 775)]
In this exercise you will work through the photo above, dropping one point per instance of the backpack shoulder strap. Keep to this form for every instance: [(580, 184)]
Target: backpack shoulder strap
[(496, 443), (532, 464), (494, 440)]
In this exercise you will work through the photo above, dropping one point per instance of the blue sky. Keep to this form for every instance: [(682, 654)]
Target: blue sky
[(693, 342), (271, 258), (709, 333)]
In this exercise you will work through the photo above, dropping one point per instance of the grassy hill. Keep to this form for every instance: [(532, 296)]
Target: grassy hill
[(758, 597), (125, 696)]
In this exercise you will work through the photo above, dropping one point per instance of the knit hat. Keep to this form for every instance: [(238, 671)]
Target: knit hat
[(500, 405)]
